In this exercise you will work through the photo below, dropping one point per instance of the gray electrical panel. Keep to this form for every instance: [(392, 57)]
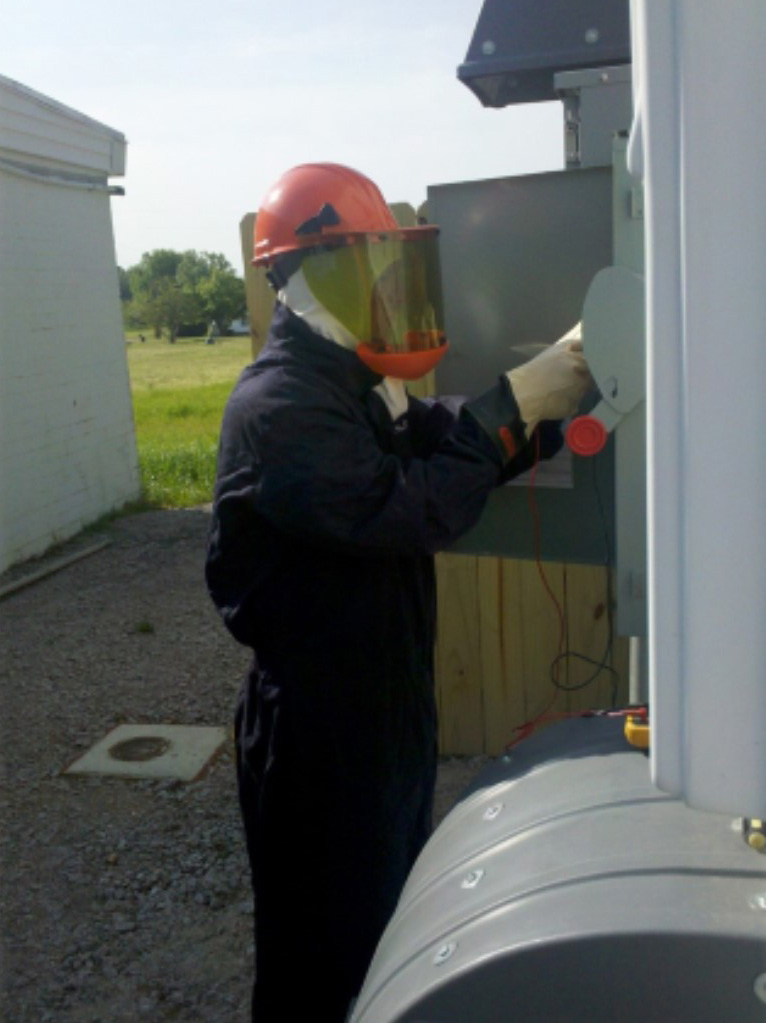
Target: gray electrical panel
[(518, 256)]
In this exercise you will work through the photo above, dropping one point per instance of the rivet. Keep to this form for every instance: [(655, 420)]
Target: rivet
[(592, 35), (472, 879), (758, 902), (444, 953), (492, 811), (488, 47)]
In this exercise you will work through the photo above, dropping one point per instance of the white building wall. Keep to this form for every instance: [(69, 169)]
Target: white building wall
[(67, 438)]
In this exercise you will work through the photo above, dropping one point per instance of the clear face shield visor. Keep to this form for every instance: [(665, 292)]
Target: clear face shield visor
[(386, 291)]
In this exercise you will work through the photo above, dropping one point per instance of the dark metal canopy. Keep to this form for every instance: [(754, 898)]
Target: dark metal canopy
[(519, 45)]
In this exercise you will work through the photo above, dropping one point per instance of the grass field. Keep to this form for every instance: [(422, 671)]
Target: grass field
[(179, 392)]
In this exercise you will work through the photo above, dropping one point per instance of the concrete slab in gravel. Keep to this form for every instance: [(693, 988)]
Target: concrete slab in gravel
[(152, 751)]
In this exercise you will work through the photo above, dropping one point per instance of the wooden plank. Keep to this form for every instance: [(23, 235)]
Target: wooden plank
[(588, 597), (458, 660), (502, 650), (494, 658), (258, 292), (541, 634)]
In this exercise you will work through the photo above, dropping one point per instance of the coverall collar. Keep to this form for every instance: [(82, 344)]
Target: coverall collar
[(291, 339)]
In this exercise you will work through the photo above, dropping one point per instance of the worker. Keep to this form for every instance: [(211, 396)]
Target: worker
[(334, 489)]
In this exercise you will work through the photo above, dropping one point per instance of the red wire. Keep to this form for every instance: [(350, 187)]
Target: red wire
[(525, 730)]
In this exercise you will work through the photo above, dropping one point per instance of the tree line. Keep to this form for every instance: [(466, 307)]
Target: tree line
[(177, 294)]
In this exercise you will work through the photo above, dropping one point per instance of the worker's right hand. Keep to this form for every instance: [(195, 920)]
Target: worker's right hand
[(552, 385)]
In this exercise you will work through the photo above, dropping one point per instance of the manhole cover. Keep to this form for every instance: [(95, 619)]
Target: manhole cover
[(152, 751), (142, 748)]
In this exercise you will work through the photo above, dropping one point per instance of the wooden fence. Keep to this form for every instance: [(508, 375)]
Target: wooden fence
[(499, 636)]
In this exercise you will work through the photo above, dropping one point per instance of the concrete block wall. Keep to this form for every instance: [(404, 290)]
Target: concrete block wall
[(67, 438)]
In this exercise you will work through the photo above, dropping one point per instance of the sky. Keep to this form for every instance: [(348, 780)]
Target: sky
[(217, 100)]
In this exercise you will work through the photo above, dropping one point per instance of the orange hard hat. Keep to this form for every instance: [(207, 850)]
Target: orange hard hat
[(317, 203), (380, 281)]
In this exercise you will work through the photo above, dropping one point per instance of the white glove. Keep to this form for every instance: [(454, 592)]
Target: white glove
[(552, 385)]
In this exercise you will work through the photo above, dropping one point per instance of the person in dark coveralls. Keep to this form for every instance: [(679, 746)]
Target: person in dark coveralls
[(334, 489)]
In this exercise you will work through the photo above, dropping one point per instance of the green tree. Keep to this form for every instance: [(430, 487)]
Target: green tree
[(157, 302), (154, 266), (123, 281), (223, 296), (174, 290), (209, 276), (169, 308)]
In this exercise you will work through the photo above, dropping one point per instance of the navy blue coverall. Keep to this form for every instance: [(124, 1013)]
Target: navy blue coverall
[(325, 520)]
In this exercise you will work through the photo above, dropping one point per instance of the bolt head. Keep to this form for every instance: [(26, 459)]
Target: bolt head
[(444, 953), (492, 811), (472, 879)]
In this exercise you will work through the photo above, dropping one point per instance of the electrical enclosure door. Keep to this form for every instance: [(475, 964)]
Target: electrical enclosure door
[(518, 256)]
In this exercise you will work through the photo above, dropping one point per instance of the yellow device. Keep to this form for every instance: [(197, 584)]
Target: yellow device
[(637, 731)]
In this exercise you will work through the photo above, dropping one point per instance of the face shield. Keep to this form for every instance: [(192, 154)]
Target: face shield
[(386, 291)]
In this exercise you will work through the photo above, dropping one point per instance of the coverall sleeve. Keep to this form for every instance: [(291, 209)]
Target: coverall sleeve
[(313, 467), (432, 418)]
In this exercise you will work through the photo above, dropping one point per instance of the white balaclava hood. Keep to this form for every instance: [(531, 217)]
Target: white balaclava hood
[(299, 299)]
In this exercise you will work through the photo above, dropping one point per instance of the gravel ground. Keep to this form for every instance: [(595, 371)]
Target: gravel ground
[(123, 900)]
